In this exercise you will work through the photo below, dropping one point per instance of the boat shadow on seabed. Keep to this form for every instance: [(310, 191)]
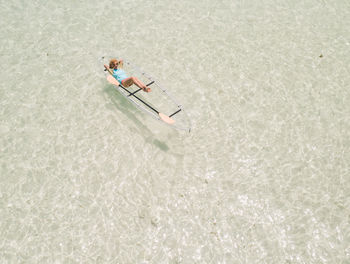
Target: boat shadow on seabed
[(125, 107)]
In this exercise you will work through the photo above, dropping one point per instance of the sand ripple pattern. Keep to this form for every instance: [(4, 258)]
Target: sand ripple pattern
[(85, 177)]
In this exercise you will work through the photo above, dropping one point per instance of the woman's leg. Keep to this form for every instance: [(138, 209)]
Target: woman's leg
[(133, 80)]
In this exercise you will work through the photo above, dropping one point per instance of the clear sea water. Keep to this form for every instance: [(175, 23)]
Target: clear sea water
[(263, 177)]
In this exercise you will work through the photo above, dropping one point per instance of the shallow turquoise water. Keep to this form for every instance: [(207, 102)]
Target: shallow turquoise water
[(262, 178)]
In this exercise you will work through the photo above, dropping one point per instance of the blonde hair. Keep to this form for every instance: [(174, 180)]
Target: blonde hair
[(114, 62)]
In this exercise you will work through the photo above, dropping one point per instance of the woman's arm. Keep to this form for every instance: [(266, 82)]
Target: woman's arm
[(108, 69)]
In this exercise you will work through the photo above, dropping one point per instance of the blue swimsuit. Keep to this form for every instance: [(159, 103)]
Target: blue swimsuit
[(119, 74)]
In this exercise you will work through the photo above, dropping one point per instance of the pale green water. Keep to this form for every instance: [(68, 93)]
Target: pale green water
[(262, 178)]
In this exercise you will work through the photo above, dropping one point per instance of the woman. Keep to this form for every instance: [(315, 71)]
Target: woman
[(115, 68)]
